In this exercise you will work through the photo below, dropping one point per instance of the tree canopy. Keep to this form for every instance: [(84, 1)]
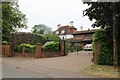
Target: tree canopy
[(107, 16), (12, 19), (41, 29), (102, 12)]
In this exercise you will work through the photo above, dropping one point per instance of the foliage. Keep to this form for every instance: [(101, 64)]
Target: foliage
[(52, 37), (12, 19), (105, 53), (5, 42), (72, 47), (41, 29), (102, 12), (69, 46), (28, 47), (28, 38), (51, 47)]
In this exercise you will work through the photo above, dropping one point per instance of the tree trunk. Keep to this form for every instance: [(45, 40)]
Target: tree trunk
[(115, 51)]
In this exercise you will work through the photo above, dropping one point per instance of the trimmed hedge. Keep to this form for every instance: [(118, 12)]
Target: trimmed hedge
[(51, 47), (26, 38), (52, 37), (28, 47), (105, 53)]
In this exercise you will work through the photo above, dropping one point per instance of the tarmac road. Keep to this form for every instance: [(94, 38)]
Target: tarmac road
[(14, 72)]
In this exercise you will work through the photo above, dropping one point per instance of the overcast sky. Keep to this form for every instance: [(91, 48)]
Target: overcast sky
[(54, 12)]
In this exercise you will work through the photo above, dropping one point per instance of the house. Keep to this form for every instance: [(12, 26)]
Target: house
[(65, 32), (83, 36)]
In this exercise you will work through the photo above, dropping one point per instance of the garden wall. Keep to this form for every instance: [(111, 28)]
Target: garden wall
[(44, 54)]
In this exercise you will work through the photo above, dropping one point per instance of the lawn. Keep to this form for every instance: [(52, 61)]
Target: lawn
[(103, 71)]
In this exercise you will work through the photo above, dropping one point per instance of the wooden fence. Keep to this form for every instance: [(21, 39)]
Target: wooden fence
[(6, 50)]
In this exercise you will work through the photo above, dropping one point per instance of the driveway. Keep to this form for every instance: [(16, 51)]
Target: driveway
[(69, 66)]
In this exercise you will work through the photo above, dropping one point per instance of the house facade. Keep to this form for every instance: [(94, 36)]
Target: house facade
[(65, 32), (83, 36)]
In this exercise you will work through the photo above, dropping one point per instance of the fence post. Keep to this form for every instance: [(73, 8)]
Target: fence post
[(62, 48), (38, 53), (23, 52)]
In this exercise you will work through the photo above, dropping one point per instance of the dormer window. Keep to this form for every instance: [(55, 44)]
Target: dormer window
[(62, 31), (57, 32)]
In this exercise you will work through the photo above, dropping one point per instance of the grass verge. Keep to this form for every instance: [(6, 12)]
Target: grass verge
[(103, 71)]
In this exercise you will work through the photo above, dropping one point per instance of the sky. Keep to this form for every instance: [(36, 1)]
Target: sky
[(54, 12)]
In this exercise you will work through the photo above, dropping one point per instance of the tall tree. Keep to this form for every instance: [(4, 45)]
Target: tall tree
[(107, 15), (41, 29), (12, 19)]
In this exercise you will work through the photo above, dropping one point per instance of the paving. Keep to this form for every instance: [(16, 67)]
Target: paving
[(70, 66)]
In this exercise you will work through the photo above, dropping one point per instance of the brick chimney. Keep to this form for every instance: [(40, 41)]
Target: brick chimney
[(81, 28), (58, 26)]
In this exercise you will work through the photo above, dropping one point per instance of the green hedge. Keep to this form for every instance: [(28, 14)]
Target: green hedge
[(105, 52), (28, 47), (26, 38), (51, 47), (5, 43), (52, 37), (72, 47)]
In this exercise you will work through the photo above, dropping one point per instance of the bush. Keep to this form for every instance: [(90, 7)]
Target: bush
[(72, 47), (27, 38), (105, 52), (5, 42), (51, 47), (52, 37), (28, 47)]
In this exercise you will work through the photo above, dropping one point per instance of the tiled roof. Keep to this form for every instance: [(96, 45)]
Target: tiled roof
[(65, 29), (84, 32), (87, 38)]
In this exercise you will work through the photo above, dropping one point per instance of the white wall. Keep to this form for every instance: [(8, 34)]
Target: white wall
[(68, 36)]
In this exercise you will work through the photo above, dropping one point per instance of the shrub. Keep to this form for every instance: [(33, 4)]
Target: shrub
[(105, 52), (5, 42), (27, 38), (28, 47), (52, 37), (51, 47), (71, 47)]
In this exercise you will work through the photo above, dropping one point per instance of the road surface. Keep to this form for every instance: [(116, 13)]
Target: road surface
[(14, 72)]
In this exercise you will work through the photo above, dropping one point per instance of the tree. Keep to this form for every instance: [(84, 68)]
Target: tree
[(12, 19), (41, 29), (107, 15), (52, 37)]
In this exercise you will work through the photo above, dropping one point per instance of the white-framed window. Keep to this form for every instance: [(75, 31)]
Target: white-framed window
[(62, 31), (57, 32)]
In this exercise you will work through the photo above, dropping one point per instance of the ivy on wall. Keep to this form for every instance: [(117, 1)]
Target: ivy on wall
[(105, 52)]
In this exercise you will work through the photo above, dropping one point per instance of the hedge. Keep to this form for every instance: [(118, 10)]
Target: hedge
[(26, 38), (105, 53), (28, 48), (51, 47)]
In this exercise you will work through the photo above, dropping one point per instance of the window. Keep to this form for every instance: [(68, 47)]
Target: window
[(62, 31), (57, 32)]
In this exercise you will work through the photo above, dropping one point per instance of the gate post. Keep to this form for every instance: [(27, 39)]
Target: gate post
[(38, 53), (23, 51), (95, 52), (62, 48)]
